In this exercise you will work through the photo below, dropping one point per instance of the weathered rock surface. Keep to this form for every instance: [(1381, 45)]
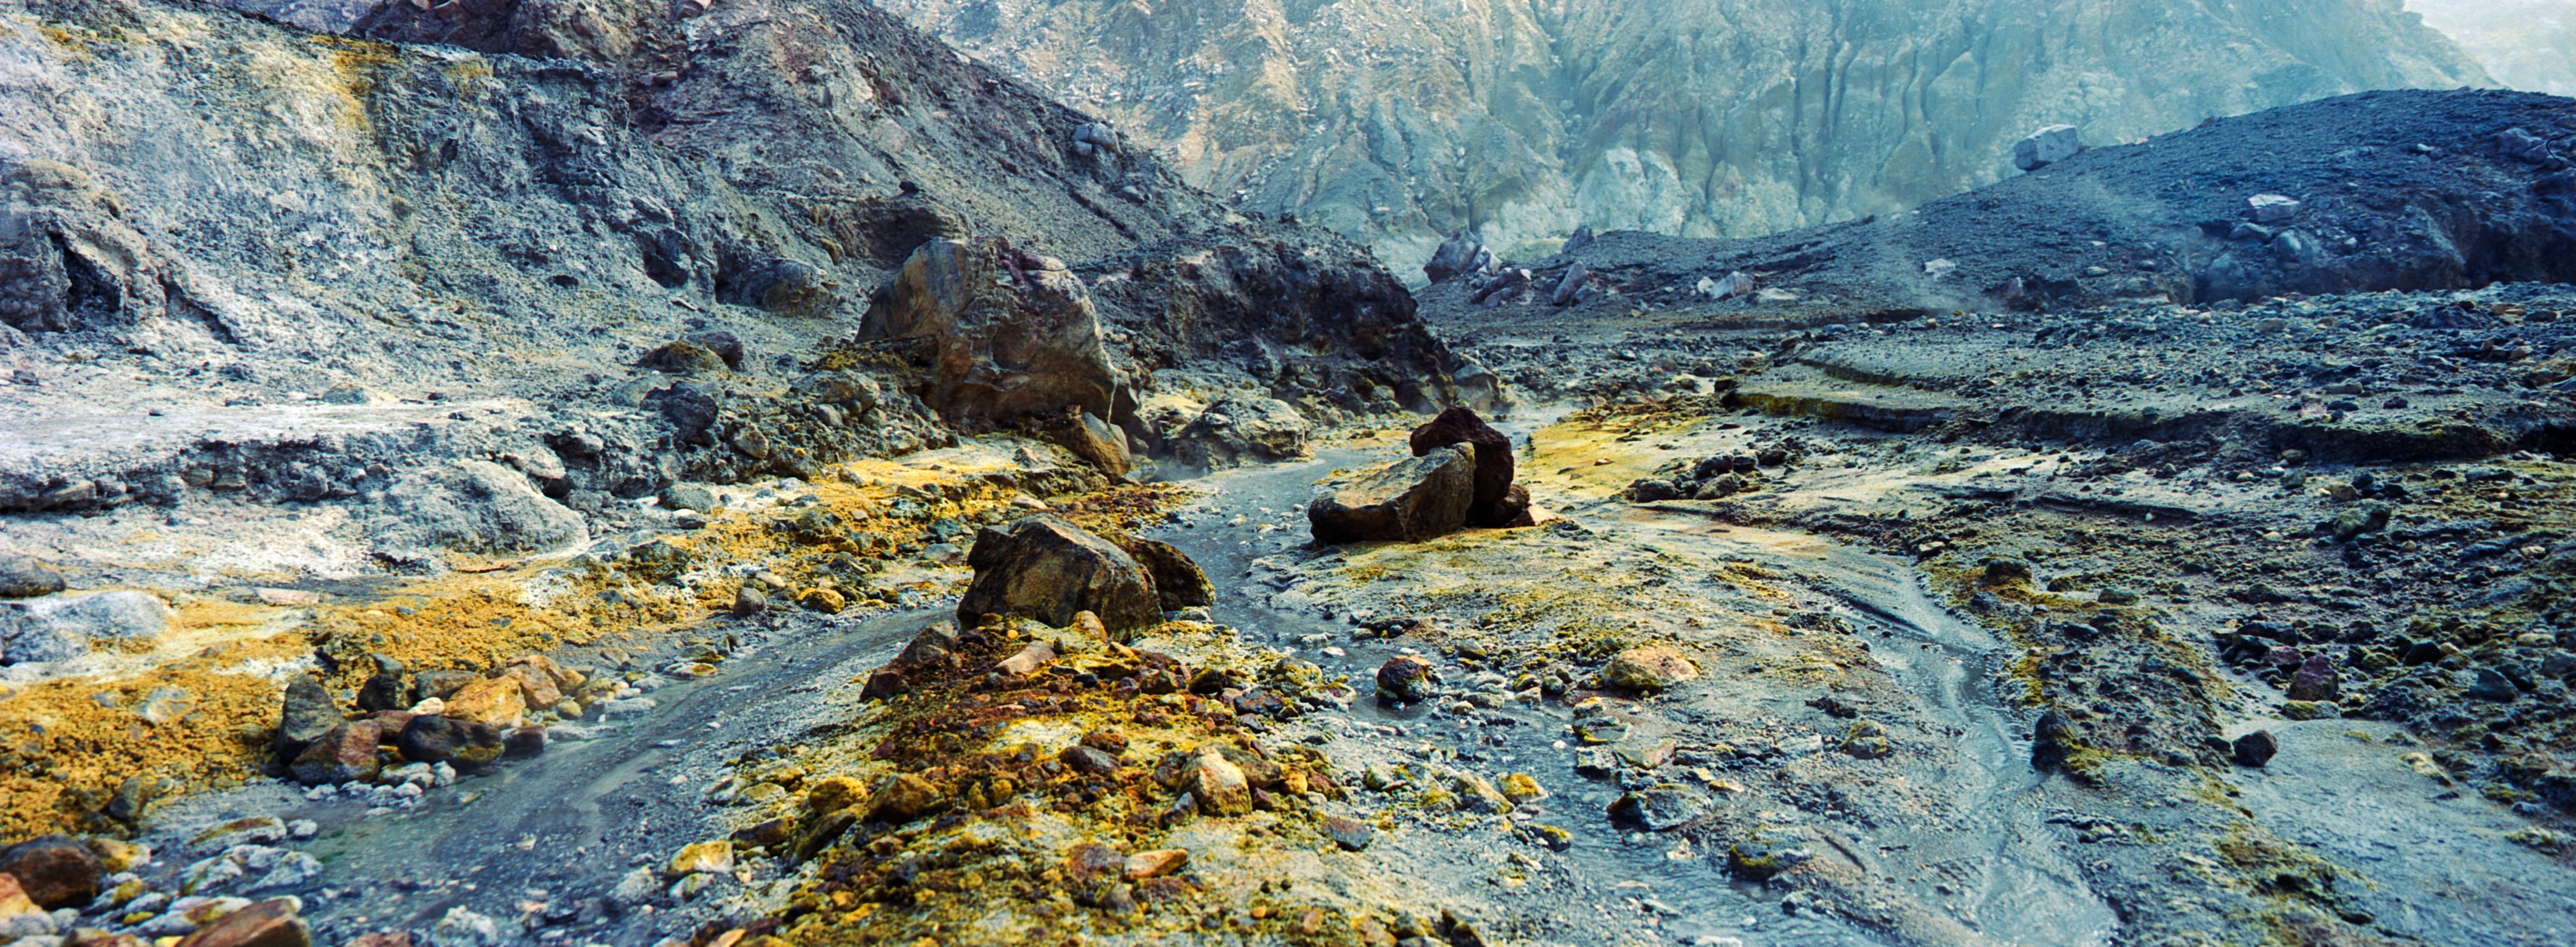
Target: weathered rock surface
[(1045, 568), (25, 577), (1010, 333), (1409, 500), (57, 627)]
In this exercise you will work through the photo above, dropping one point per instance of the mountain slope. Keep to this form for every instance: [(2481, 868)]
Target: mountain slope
[(1400, 122)]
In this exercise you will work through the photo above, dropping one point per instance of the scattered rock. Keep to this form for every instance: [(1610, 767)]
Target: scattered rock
[(1154, 864), (2255, 749), (1218, 785), (1351, 835), (346, 752), (1406, 678), (270, 923), (1476, 795), (903, 798), (1658, 808), (499, 701), (2053, 740), (305, 716), (1492, 504), (2270, 208), (714, 857), (749, 601), (2316, 680), (2491, 684), (1089, 761), (433, 738), (1410, 500), (1045, 568), (1092, 440), (1763, 856), (1654, 667), (1236, 431), (2047, 146)]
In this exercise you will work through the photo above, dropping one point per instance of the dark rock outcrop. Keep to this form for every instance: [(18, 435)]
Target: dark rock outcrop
[(1010, 333), (1178, 581), (1045, 568), (1458, 425)]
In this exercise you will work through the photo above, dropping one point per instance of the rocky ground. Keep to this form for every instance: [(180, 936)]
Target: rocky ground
[(934, 588)]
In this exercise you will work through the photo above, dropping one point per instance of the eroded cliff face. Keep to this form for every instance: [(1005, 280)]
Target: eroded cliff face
[(1400, 122)]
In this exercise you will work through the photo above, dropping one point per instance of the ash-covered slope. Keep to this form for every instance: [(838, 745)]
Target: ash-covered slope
[(244, 257), (1399, 123), (2409, 190)]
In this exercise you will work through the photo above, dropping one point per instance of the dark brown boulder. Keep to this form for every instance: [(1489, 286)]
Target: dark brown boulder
[(55, 871), (1178, 581), (1045, 568), (1492, 504), (305, 716)]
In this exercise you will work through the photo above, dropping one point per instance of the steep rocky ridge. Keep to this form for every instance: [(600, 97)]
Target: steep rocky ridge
[(297, 242), (1400, 123)]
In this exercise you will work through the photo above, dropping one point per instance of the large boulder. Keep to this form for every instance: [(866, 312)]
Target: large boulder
[(1012, 333), (1237, 431), (1409, 500), (1460, 254), (472, 506), (345, 753), (1493, 504), (57, 627), (1045, 568)]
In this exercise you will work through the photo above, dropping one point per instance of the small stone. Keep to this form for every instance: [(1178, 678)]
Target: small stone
[(1520, 788), (1219, 786), (1089, 761), (288, 598), (1155, 864), (2255, 749), (307, 714), (2270, 208), (1658, 808), (714, 857), (826, 601), (834, 794), (2316, 680), (749, 601), (903, 798), (252, 830), (1649, 668), (1351, 834), (1477, 795), (2491, 684), (347, 752), (1027, 661), (1764, 856)]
